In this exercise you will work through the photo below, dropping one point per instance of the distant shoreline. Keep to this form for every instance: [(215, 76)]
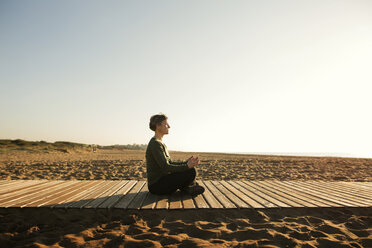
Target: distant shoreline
[(294, 154), (309, 154)]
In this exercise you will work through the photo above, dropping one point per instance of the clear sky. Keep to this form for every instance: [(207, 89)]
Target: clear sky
[(232, 76)]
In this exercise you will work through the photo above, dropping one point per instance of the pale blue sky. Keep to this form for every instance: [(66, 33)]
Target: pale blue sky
[(233, 76)]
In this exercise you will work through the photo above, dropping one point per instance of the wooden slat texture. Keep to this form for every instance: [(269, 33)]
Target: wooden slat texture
[(199, 201), (65, 194), (92, 195), (243, 194), (136, 203), (219, 195), (364, 184), (175, 200), (3, 182), (320, 201), (150, 201), (133, 194), (325, 195), (23, 191), (194, 202), (331, 193), (44, 196), (118, 194), (15, 186), (209, 197), (359, 185), (330, 190), (188, 201), (349, 191), (162, 202), (106, 195), (266, 194), (356, 189), (230, 194), (125, 201), (41, 193), (267, 189), (297, 196), (68, 201), (26, 192), (256, 195)]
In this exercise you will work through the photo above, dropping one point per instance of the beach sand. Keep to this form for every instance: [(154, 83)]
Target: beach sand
[(282, 227)]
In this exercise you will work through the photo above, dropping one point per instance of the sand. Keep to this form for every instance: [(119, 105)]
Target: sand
[(288, 227), (130, 164)]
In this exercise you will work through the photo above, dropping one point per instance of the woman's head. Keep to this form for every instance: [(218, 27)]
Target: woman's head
[(157, 121)]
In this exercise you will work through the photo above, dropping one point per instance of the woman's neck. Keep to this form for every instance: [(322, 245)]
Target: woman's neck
[(159, 136)]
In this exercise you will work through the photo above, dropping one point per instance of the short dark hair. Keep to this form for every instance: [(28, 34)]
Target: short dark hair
[(157, 120)]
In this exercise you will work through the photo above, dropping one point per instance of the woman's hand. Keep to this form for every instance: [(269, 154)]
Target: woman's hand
[(192, 162)]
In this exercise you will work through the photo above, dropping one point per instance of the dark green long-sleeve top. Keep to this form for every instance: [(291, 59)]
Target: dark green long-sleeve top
[(159, 163)]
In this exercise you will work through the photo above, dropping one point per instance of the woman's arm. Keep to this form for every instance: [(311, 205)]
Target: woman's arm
[(177, 162)]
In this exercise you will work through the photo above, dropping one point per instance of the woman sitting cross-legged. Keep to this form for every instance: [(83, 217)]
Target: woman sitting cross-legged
[(165, 176)]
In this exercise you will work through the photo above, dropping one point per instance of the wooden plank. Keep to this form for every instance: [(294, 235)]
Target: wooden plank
[(19, 191), (246, 195), (359, 185), (339, 194), (106, 195), (301, 197), (150, 201), (313, 197), (175, 200), (15, 186), (64, 194), (199, 202), (162, 202), (331, 193), (209, 197), (10, 183), (43, 198), (366, 184), (41, 193), (125, 200), (80, 203), (136, 203), (110, 202), (287, 199), (354, 189), (12, 196), (187, 201), (257, 195), (268, 201), (190, 202), (314, 192), (68, 201), (230, 194), (4, 182), (219, 195)]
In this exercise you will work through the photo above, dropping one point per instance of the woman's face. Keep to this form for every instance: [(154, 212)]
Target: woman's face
[(163, 127)]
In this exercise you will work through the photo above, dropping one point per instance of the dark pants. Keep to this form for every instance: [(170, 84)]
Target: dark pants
[(169, 184)]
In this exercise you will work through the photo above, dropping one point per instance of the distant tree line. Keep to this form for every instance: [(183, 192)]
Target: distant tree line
[(130, 147), (19, 144)]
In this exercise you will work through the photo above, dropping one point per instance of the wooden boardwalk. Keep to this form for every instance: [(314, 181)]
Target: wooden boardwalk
[(133, 194)]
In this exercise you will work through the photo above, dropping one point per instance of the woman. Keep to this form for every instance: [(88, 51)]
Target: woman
[(165, 176)]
